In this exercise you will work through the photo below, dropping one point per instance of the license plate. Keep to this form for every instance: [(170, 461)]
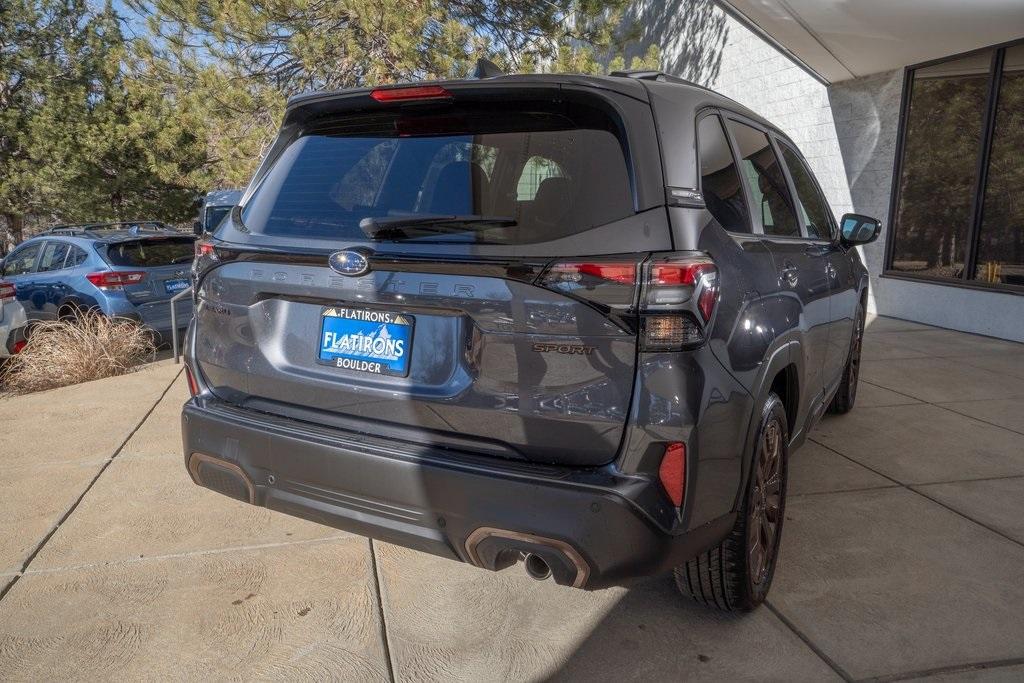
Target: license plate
[(378, 342), (175, 286)]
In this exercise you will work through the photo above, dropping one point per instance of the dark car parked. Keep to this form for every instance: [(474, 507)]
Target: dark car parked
[(575, 321), (127, 270)]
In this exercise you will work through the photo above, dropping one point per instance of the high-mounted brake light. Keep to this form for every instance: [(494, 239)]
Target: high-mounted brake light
[(672, 472), (7, 292), (417, 92), (115, 279)]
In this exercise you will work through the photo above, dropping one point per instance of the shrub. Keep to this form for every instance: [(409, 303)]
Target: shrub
[(65, 352)]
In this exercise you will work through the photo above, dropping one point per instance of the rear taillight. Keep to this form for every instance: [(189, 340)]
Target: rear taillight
[(7, 292), (206, 258), (116, 279), (672, 472), (204, 248), (416, 92), (608, 283), (677, 301), (19, 346), (674, 295)]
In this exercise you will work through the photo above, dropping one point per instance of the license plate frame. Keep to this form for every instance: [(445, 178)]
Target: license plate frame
[(355, 331)]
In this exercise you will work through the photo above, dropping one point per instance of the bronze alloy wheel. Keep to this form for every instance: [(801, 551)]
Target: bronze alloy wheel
[(765, 503), (858, 338)]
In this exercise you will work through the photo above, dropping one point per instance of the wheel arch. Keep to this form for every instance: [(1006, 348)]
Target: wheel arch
[(783, 371)]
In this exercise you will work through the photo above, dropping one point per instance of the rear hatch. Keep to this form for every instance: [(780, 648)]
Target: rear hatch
[(163, 261), (460, 271)]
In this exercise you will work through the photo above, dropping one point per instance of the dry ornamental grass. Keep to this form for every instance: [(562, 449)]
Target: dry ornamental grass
[(61, 353)]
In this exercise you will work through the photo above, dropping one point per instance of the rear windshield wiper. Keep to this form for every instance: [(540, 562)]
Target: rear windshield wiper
[(407, 226)]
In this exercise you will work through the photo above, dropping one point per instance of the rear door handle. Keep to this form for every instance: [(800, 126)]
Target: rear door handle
[(790, 274)]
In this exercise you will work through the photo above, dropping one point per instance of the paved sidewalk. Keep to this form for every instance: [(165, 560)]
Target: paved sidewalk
[(902, 557)]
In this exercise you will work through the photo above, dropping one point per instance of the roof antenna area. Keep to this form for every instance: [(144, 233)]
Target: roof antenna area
[(485, 68)]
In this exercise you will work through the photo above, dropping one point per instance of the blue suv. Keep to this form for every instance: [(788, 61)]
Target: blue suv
[(127, 270)]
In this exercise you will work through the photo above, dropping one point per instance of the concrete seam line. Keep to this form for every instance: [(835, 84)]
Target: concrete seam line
[(385, 641), (854, 490), (192, 553), (840, 671), (953, 669), (910, 487), (978, 419), (81, 497)]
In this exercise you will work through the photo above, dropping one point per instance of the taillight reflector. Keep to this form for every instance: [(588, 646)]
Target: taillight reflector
[(418, 92), (204, 248), (193, 386), (116, 278), (18, 346), (7, 291), (673, 472)]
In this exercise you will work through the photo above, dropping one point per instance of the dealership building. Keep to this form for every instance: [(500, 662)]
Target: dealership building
[(911, 111)]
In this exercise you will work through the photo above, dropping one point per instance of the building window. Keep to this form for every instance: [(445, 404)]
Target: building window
[(957, 213)]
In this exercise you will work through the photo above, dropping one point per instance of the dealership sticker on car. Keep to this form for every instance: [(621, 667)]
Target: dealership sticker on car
[(175, 286), (378, 342)]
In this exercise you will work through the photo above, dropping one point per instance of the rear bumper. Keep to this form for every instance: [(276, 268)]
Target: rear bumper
[(13, 329), (586, 524)]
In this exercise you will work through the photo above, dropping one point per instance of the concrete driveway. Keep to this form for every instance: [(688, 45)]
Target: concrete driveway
[(903, 555)]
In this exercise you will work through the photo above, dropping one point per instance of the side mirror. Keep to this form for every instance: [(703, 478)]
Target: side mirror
[(197, 227), (855, 228)]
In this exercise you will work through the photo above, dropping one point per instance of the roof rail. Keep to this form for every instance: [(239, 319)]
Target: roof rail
[(66, 230), (133, 227), (650, 75)]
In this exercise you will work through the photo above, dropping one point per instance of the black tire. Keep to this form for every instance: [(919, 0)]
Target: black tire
[(733, 576), (70, 313), (846, 394)]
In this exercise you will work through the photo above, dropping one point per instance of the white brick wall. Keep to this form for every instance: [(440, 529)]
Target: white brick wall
[(755, 74)]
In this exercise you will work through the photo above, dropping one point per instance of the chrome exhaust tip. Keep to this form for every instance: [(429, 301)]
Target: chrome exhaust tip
[(536, 567)]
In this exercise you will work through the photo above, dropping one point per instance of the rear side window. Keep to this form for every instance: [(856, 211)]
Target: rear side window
[(214, 215), (151, 252), (54, 254), (21, 260), (814, 211), (766, 181), (76, 258), (719, 178), (541, 171)]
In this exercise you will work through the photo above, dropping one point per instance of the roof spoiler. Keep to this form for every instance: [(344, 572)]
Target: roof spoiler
[(650, 75)]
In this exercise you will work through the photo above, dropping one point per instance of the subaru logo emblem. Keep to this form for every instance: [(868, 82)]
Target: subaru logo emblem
[(349, 262)]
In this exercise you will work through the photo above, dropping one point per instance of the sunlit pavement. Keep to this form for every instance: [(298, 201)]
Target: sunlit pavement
[(902, 557)]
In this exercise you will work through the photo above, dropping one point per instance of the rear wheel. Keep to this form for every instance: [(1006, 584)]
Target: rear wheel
[(736, 574), (846, 394)]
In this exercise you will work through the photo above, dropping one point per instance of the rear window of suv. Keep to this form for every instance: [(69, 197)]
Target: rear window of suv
[(163, 251), (526, 173)]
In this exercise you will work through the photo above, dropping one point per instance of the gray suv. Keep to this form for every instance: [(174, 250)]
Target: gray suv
[(578, 322)]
